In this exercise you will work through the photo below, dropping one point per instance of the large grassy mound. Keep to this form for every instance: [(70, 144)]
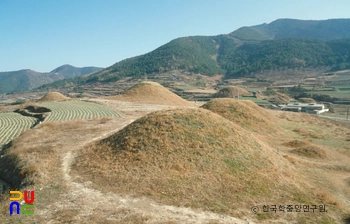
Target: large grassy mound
[(53, 97), (231, 91), (152, 92), (190, 157), (244, 113)]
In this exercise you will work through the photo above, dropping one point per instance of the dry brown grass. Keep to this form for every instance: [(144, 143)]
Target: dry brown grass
[(306, 100), (231, 91), (151, 92), (308, 133), (311, 151), (34, 162), (244, 113), (278, 98), (295, 143), (193, 158), (53, 96), (348, 181), (186, 157)]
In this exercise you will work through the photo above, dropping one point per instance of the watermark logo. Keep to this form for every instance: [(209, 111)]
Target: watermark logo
[(26, 208)]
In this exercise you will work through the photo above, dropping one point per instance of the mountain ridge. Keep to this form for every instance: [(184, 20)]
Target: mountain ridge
[(330, 29), (283, 43), (27, 79)]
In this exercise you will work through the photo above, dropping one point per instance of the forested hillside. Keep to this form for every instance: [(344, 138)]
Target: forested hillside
[(292, 28), (284, 43)]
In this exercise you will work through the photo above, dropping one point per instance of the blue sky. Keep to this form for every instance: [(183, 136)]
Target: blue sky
[(44, 34)]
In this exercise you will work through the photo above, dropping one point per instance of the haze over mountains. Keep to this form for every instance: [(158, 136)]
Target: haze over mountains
[(282, 44), (27, 79)]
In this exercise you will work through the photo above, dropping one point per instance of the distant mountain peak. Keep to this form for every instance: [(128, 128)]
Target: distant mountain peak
[(65, 66)]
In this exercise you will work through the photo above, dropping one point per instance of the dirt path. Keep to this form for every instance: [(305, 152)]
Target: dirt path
[(80, 196)]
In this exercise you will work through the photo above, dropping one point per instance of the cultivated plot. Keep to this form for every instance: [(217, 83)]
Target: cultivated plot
[(12, 125), (78, 110)]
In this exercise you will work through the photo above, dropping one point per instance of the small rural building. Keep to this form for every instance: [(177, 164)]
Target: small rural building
[(311, 108)]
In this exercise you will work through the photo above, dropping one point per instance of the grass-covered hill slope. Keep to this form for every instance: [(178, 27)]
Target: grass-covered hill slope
[(244, 113), (192, 158)]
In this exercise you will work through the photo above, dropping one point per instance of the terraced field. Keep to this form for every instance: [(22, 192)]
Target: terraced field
[(78, 110), (12, 125)]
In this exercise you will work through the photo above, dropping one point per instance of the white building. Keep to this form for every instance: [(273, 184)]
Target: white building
[(311, 108)]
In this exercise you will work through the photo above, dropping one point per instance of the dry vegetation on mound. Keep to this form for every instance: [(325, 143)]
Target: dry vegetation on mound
[(193, 158), (244, 113), (310, 151), (53, 97), (151, 92), (231, 91), (306, 100), (296, 143), (183, 157), (278, 98)]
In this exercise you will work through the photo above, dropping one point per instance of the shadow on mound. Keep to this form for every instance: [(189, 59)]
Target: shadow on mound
[(310, 151), (12, 171), (347, 220), (296, 143), (34, 111)]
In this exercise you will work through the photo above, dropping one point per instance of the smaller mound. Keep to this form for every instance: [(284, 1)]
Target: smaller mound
[(53, 97), (242, 112), (278, 98), (151, 92), (296, 143), (310, 151), (231, 91), (306, 100)]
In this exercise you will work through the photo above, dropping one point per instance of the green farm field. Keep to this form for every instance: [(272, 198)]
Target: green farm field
[(340, 93), (12, 125), (78, 110)]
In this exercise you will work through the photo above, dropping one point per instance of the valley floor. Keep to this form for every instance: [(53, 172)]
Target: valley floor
[(62, 197)]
